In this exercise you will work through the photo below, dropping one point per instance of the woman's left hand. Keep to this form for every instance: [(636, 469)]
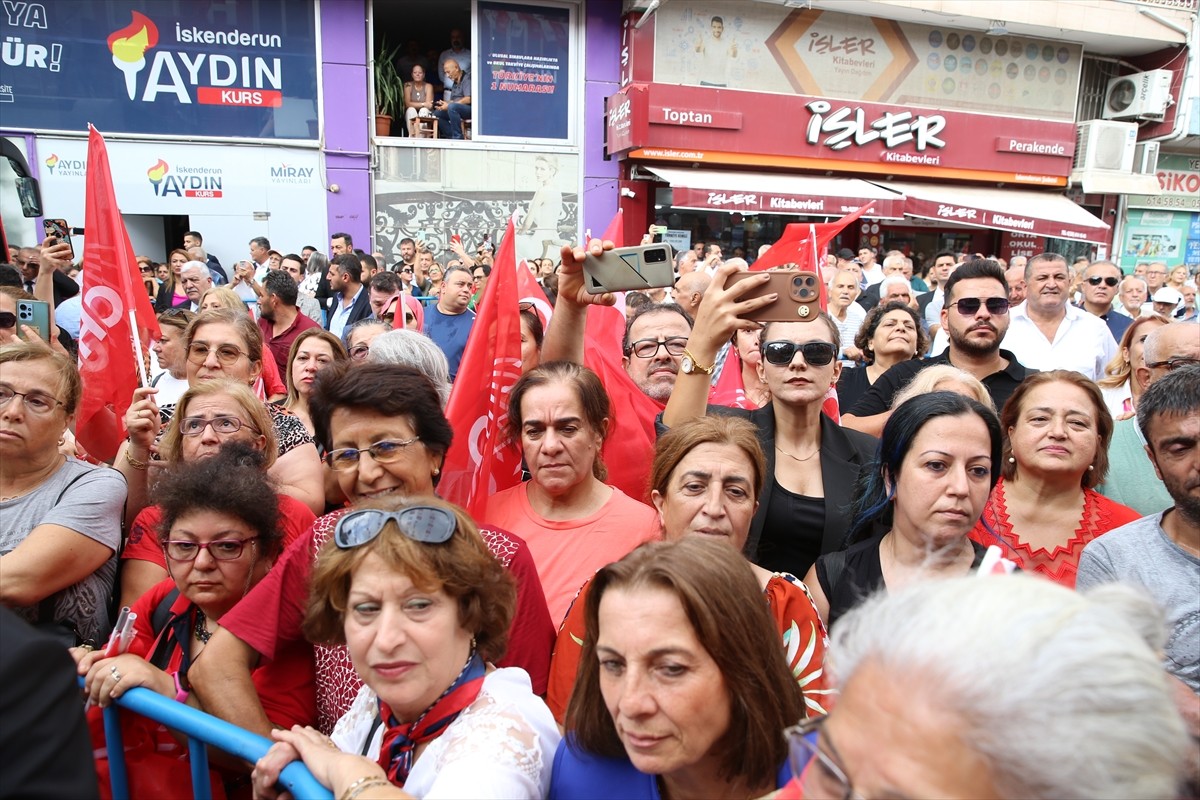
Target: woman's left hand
[(329, 765), (109, 678)]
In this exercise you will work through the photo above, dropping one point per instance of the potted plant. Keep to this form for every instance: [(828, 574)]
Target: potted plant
[(389, 88)]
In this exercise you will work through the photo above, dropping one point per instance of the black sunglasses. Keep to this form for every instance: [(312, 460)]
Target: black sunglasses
[(969, 306), (8, 319), (426, 524), (781, 352), (1096, 280)]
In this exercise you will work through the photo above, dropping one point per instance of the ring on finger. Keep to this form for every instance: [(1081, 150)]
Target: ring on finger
[(116, 675)]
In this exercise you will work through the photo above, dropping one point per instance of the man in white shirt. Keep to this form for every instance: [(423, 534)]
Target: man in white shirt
[(872, 272), (1132, 296), (196, 280), (260, 254), (351, 301), (843, 291), (1046, 332)]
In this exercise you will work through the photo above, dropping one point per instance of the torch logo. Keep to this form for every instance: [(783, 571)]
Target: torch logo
[(129, 46), (51, 162), (157, 173)]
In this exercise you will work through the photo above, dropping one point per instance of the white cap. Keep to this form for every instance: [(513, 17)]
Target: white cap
[(1167, 295)]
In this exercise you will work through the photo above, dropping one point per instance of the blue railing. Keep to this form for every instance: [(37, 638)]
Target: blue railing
[(202, 730)]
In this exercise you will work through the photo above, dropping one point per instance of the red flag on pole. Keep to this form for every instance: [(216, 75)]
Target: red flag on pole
[(113, 297), (481, 461)]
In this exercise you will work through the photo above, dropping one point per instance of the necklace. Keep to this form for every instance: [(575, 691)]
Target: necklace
[(201, 631), (796, 458)]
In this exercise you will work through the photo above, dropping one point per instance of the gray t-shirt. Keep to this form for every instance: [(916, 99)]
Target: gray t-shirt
[(92, 502), (1142, 554)]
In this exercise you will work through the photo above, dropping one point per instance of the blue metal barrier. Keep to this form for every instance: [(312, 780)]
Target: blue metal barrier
[(202, 730)]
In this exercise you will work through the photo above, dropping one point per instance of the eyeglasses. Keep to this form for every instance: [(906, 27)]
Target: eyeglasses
[(8, 319), (648, 348), (969, 306), (781, 352), (227, 354), (221, 549), (171, 313), (818, 774), (360, 351), (425, 524), (38, 403), (223, 425), (1096, 280), (1171, 364), (384, 452), (147, 269)]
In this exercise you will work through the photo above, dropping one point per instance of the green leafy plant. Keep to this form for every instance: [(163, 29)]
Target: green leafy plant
[(389, 86)]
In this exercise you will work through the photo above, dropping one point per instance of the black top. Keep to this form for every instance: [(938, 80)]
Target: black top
[(792, 533), (878, 399), (860, 575), (852, 384)]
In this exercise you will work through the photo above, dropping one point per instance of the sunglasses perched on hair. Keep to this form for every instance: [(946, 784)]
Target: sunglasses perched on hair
[(781, 352), (969, 306), (1096, 280), (425, 524)]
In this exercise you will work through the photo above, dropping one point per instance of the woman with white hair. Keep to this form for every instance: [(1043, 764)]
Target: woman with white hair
[(414, 350), (1002, 687)]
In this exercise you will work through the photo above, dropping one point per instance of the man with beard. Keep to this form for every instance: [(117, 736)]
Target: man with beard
[(1047, 332), (1161, 552), (655, 336), (975, 316), (1100, 281), (279, 319), (196, 280)]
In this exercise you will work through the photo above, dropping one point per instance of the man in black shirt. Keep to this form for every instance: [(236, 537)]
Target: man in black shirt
[(975, 316)]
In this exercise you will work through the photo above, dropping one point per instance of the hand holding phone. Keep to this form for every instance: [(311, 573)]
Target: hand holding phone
[(647, 266), (799, 295), (60, 232), (34, 314)]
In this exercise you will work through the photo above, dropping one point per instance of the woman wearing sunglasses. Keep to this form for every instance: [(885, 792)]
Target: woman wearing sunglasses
[(218, 539), (812, 463), (208, 417), (423, 608), (220, 345), (385, 437)]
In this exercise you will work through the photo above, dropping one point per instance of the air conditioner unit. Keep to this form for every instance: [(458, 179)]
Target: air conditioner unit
[(1105, 146), (1145, 158), (1143, 95)]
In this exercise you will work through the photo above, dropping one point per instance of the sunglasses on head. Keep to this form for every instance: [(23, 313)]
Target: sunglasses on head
[(1096, 280), (425, 524), (969, 306), (8, 319), (781, 352)]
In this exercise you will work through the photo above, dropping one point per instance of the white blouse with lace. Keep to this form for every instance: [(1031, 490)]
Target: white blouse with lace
[(501, 746)]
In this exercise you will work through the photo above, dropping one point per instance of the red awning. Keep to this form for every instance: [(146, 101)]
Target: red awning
[(1014, 210), (772, 193)]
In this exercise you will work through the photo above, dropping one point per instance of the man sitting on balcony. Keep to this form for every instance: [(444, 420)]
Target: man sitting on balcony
[(458, 108)]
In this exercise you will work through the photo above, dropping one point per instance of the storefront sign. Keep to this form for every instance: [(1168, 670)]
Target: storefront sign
[(773, 203), (1019, 244), (730, 120), (525, 86), (204, 68), (826, 134), (1179, 179)]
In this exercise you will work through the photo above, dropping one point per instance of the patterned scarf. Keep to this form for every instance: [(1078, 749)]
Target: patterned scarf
[(400, 739)]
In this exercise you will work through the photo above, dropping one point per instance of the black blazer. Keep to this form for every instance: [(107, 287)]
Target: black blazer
[(845, 454), (360, 310)]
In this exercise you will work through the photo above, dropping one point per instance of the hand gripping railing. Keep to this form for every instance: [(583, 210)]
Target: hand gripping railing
[(202, 730)]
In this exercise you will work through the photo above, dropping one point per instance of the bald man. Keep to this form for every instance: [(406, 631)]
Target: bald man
[(689, 291)]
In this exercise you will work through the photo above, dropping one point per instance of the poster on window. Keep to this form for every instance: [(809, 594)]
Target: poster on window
[(201, 68), (524, 85)]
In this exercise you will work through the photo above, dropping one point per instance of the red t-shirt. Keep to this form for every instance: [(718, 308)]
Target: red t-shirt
[(284, 685), (279, 346), (294, 519), (270, 617)]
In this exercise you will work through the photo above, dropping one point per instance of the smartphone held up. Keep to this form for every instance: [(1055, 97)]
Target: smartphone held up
[(645, 266)]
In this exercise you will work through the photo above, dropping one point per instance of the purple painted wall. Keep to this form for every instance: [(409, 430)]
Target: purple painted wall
[(347, 132), (602, 49)]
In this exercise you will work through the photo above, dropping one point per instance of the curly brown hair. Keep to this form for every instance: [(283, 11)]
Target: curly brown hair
[(866, 331)]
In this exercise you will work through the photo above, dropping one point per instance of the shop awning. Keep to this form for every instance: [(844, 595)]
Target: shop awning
[(771, 193), (1014, 210)]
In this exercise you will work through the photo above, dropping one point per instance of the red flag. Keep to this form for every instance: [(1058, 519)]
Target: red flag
[(481, 461), (803, 243), (730, 388), (615, 232), (112, 289)]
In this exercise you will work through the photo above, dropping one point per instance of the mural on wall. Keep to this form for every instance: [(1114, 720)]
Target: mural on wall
[(763, 47), (431, 195)]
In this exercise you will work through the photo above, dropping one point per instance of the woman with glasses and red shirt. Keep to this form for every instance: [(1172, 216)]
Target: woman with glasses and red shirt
[(812, 463)]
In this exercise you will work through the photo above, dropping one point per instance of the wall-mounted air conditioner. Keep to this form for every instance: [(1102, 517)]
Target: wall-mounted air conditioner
[(1143, 95), (1104, 145)]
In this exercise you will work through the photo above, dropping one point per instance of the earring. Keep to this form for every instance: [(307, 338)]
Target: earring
[(1012, 460), (1091, 467), (437, 471), (472, 642)]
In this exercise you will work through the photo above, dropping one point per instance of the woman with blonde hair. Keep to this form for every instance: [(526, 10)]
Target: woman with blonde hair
[(944, 378), (270, 385), (1120, 385)]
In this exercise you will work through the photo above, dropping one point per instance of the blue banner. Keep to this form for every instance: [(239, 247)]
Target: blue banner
[(524, 58), (195, 68)]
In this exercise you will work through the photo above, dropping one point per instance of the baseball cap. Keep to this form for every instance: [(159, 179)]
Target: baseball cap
[(1167, 295), (846, 254)]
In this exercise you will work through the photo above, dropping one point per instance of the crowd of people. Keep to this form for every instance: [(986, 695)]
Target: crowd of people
[(744, 557)]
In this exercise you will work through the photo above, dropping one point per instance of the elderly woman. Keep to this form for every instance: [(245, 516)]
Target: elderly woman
[(415, 350), (422, 606), (1044, 510), (312, 351), (706, 476), (683, 690), (171, 382), (219, 539), (891, 333), (208, 417), (361, 334), (1060, 683), (1120, 385), (270, 383), (61, 517), (812, 463), (385, 436), (573, 522), (220, 345), (937, 462)]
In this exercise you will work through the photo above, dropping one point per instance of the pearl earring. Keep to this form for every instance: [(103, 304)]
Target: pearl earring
[(1012, 460)]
